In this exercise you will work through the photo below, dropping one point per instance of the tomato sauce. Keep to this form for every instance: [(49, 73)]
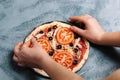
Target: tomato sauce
[(83, 50)]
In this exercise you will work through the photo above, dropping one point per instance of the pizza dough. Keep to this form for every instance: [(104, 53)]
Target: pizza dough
[(64, 46)]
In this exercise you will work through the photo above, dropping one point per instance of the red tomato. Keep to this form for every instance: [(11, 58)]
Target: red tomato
[(45, 44), (64, 36), (64, 58)]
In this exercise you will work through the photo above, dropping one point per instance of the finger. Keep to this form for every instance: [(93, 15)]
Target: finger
[(21, 65), (87, 16), (15, 58), (76, 18), (77, 30), (34, 42), (82, 18), (27, 44), (17, 47)]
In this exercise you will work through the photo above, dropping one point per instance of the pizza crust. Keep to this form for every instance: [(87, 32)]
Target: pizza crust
[(42, 27)]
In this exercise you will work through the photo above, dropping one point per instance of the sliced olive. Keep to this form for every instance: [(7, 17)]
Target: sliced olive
[(75, 50), (59, 46), (41, 32), (71, 44), (55, 26), (75, 62), (50, 38), (76, 35), (49, 29), (51, 52), (35, 37)]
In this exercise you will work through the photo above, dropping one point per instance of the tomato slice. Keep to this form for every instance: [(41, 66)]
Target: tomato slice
[(64, 58), (64, 36), (45, 44)]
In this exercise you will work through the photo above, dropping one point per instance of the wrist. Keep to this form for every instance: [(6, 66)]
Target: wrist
[(100, 37), (43, 61)]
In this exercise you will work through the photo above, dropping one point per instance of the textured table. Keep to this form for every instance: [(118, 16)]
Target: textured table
[(18, 17)]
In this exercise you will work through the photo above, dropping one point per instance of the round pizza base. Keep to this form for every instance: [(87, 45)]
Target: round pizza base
[(30, 36)]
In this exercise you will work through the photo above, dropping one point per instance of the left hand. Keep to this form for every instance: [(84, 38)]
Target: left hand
[(27, 56)]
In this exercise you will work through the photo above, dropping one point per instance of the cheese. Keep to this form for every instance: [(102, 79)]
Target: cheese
[(77, 43), (56, 31), (53, 44), (49, 33), (39, 35)]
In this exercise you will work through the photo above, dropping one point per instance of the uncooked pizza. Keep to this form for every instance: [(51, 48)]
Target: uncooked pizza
[(63, 45)]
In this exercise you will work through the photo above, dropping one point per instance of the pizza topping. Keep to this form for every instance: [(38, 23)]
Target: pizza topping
[(35, 37), (84, 46), (64, 58), (71, 44), (76, 35), (75, 62), (75, 50), (64, 36), (77, 44), (51, 53), (59, 46), (41, 32), (55, 26), (45, 44), (38, 36), (49, 29), (50, 38), (53, 43)]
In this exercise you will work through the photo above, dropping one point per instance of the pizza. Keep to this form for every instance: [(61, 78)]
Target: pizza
[(62, 45)]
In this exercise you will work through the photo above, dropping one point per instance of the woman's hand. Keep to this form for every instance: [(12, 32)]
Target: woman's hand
[(29, 56), (93, 31)]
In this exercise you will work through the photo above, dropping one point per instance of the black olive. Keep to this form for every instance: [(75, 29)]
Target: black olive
[(75, 62), (35, 37), (71, 44), (41, 32), (50, 38), (49, 29), (76, 35), (55, 26), (75, 50), (51, 52), (59, 46)]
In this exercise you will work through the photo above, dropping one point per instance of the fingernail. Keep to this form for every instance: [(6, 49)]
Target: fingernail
[(35, 38), (72, 27)]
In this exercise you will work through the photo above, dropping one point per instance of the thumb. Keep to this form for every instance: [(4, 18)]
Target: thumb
[(77, 30), (34, 42), (27, 43)]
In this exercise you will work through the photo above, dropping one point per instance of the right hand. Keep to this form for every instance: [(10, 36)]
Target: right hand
[(93, 31)]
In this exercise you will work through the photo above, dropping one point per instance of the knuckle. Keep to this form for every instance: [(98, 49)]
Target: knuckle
[(15, 50), (90, 19), (15, 59), (23, 49)]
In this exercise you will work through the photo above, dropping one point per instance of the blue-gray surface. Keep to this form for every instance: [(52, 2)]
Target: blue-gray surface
[(18, 17)]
